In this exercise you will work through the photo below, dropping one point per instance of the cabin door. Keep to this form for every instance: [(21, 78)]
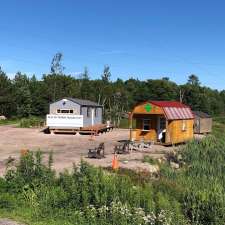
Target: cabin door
[(161, 128)]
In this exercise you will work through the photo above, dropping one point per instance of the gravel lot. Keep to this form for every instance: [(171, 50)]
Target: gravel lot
[(68, 148)]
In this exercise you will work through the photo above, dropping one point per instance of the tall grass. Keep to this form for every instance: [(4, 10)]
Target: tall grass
[(31, 121), (87, 195), (9, 121), (200, 183), (28, 122)]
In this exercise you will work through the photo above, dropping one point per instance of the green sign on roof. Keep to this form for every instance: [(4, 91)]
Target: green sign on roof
[(148, 107)]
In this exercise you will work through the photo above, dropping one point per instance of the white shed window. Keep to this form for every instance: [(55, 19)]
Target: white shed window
[(88, 111), (65, 111), (146, 124)]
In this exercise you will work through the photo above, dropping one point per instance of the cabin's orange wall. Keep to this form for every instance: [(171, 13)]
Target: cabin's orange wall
[(175, 134), (139, 113)]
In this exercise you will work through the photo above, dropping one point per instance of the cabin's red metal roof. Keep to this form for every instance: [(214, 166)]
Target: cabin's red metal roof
[(174, 110), (178, 113), (169, 104)]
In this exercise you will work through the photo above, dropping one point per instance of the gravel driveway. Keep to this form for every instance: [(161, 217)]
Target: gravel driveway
[(69, 149)]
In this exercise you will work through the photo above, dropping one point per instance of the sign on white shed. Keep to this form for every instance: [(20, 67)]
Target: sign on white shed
[(64, 121)]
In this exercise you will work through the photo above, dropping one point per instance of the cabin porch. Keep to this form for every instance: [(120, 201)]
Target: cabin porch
[(148, 127)]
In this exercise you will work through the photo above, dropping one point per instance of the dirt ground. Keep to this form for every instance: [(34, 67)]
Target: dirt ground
[(8, 222), (68, 149)]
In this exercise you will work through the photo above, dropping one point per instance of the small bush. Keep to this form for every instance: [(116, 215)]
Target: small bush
[(31, 122), (7, 201), (150, 160)]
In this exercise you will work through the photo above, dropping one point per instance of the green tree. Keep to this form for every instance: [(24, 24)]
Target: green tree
[(106, 74), (6, 100), (85, 85), (193, 80), (56, 65), (22, 95), (38, 94)]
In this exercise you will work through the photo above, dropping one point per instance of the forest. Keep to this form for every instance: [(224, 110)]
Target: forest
[(25, 96)]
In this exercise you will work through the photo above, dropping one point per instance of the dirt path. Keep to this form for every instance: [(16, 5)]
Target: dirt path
[(69, 149), (8, 222)]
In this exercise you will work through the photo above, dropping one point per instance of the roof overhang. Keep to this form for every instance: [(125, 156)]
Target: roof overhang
[(173, 113)]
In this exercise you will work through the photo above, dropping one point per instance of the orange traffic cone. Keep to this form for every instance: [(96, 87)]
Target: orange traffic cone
[(23, 152), (115, 163)]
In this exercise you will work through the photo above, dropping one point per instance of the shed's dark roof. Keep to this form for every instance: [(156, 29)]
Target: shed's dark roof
[(201, 114), (84, 102)]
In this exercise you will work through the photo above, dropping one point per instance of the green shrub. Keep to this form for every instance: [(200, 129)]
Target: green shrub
[(150, 160), (7, 201), (29, 171), (31, 122)]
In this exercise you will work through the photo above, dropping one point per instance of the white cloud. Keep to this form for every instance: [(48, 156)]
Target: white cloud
[(112, 52), (11, 75), (74, 74)]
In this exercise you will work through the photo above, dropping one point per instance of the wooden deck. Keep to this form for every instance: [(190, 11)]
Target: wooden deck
[(96, 129), (93, 130)]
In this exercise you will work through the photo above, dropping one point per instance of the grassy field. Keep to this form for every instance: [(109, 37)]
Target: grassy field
[(24, 122), (193, 194), (9, 122)]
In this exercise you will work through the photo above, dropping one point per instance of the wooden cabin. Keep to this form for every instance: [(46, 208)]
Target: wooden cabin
[(203, 123), (165, 122)]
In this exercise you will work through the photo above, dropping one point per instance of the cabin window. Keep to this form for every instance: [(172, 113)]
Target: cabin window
[(146, 124), (88, 112), (184, 125), (65, 111), (96, 112)]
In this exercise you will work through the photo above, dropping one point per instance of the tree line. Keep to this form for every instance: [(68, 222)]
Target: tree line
[(25, 96)]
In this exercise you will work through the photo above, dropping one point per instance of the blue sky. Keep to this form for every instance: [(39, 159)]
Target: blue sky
[(144, 39)]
